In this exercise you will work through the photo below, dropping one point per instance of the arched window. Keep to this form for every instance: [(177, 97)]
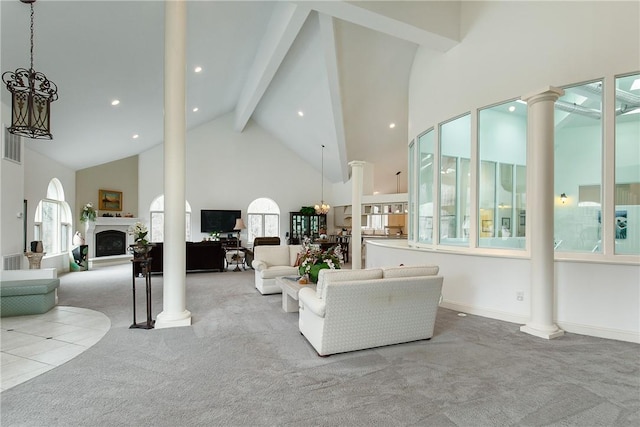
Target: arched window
[(156, 213), (263, 216), (52, 220)]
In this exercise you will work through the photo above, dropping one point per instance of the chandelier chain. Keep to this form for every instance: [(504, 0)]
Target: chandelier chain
[(322, 177), (31, 52)]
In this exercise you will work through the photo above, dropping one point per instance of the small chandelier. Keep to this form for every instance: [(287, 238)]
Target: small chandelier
[(322, 209), (31, 94)]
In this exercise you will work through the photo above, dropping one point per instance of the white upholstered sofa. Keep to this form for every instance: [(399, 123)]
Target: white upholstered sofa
[(357, 309), (270, 262)]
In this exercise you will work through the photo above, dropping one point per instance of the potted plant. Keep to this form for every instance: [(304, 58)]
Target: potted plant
[(313, 259)]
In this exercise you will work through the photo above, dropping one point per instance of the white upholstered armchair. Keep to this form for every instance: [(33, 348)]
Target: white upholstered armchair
[(270, 262)]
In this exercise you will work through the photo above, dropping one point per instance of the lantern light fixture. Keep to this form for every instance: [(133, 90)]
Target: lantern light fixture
[(31, 96)]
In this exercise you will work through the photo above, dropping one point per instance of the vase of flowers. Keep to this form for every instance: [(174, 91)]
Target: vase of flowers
[(88, 213), (313, 259), (141, 247)]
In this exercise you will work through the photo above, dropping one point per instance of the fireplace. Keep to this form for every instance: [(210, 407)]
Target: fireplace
[(111, 242), (114, 243)]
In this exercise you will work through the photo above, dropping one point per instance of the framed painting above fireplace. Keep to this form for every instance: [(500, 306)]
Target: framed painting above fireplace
[(109, 200)]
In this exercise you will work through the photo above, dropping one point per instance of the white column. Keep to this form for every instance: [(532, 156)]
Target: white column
[(174, 312), (356, 214), (540, 136)]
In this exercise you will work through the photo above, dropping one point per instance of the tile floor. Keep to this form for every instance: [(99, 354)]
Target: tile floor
[(32, 345)]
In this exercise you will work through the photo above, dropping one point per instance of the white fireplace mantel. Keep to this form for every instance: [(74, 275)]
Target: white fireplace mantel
[(103, 224)]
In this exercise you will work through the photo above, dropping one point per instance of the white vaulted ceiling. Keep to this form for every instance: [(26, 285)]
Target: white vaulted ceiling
[(346, 65)]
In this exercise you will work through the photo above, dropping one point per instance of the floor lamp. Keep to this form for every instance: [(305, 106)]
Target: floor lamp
[(238, 227)]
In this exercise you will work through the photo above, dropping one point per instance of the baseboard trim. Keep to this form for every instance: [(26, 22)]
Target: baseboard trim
[(574, 328), (599, 332), (492, 314)]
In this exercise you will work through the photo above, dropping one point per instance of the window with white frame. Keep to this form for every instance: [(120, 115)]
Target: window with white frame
[(263, 216), (52, 220), (156, 213)]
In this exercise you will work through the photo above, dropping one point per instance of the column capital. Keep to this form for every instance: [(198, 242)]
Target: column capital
[(357, 163), (550, 93)]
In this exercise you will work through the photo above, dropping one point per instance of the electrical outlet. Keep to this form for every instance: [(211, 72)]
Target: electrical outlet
[(520, 296)]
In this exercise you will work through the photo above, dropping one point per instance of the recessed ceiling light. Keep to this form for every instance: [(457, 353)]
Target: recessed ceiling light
[(195, 109), (392, 125), (135, 136), (197, 69), (635, 85), (301, 113), (512, 108), (115, 102)]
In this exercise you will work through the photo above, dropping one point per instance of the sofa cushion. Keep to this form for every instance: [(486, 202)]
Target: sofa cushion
[(273, 255), (410, 271), (342, 275), (278, 270)]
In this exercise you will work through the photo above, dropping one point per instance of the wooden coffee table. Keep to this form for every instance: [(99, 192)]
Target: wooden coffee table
[(290, 288)]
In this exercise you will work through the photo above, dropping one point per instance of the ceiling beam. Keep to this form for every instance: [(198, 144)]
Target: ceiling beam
[(352, 12), (283, 28), (327, 35)]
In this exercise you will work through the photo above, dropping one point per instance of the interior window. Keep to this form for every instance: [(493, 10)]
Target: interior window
[(426, 153), (455, 189), (627, 172), (578, 163), (502, 145)]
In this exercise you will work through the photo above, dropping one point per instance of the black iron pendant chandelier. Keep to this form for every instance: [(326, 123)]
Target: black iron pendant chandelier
[(31, 96)]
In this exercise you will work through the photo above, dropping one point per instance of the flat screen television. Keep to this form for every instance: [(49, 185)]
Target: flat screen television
[(221, 221)]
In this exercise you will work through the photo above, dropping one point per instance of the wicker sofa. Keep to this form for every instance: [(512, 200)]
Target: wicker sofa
[(357, 309)]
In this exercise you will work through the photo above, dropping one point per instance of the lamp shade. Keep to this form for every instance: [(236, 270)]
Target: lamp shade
[(239, 224)]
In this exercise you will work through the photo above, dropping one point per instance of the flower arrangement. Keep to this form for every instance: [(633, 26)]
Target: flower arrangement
[(312, 259), (88, 213), (139, 232)]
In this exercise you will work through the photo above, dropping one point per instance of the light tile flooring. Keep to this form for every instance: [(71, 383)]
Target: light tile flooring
[(32, 345)]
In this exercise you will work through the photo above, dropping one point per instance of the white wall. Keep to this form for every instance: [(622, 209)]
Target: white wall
[(11, 185), (228, 170), (592, 299), (509, 49), (39, 170)]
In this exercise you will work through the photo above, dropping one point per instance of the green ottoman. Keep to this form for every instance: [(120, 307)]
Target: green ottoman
[(24, 297)]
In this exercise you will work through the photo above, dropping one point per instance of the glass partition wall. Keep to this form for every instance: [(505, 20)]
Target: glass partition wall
[(627, 165), (411, 189), (426, 158), (442, 193), (502, 141), (578, 169), (455, 189)]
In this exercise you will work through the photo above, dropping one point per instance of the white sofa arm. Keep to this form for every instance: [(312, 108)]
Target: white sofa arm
[(309, 301), (258, 265)]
